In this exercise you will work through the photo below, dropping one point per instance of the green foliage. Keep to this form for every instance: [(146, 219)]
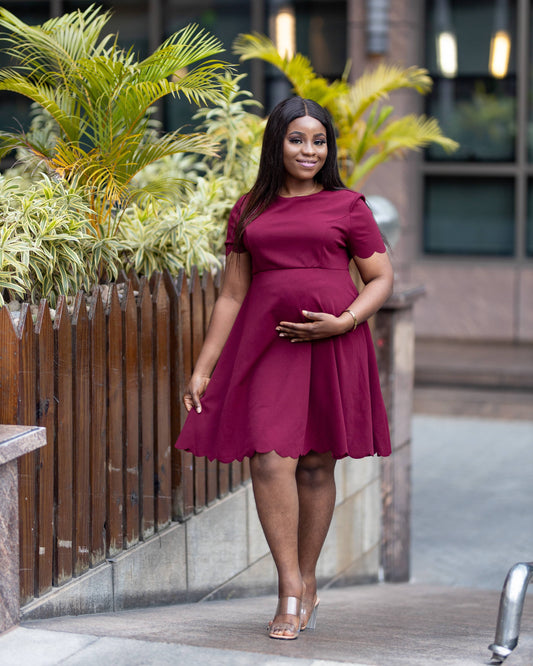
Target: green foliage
[(100, 98), (13, 272), (177, 218), (47, 245), (169, 237), (193, 217), (237, 132), (485, 126), (368, 133)]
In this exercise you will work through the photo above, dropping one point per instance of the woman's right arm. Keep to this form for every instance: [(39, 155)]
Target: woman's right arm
[(237, 277)]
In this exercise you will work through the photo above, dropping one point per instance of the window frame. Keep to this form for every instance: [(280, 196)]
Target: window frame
[(521, 170)]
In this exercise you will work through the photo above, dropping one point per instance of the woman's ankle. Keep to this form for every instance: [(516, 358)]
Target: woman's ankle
[(291, 588), (309, 586)]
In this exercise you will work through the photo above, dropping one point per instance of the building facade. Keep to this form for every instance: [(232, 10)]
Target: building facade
[(466, 218)]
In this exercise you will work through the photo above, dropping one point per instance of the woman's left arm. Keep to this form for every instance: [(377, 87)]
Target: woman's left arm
[(377, 274), (378, 277)]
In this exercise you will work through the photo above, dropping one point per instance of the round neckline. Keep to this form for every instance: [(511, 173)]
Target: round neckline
[(301, 196)]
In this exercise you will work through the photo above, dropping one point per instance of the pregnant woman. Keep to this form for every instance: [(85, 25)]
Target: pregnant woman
[(287, 374)]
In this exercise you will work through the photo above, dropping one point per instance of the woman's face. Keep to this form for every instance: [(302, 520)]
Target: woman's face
[(305, 148)]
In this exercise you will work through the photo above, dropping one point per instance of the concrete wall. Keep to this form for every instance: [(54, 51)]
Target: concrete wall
[(221, 553), (397, 180), (475, 300)]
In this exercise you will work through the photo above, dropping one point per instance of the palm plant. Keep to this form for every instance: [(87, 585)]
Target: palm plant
[(237, 131), (368, 135), (101, 99), (195, 218)]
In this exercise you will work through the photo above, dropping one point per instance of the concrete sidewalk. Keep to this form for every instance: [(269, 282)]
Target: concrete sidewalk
[(374, 625), (472, 502)]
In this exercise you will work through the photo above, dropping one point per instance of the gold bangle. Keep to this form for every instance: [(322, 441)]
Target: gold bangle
[(354, 318)]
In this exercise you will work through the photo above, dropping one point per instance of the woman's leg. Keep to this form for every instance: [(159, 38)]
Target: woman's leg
[(316, 492), (276, 498)]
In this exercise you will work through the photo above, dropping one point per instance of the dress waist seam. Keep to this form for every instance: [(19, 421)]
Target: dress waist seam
[(300, 268)]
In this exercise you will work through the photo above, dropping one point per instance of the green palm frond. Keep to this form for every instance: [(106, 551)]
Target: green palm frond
[(56, 101), (376, 84), (100, 99), (197, 85), (162, 190), (56, 44), (171, 144), (368, 134), (409, 133), (297, 69), (180, 50), (256, 45), (413, 133)]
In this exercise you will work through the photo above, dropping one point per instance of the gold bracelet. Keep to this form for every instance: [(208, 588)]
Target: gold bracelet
[(354, 318)]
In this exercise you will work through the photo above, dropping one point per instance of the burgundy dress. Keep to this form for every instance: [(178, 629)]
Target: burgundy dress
[(268, 394)]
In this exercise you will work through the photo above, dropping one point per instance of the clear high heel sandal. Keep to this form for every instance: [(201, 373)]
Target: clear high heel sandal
[(286, 631), (308, 620)]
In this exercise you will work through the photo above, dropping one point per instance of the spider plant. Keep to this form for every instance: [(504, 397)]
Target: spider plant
[(47, 245)]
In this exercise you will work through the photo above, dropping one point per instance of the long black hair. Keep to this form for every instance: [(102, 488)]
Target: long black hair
[(271, 174)]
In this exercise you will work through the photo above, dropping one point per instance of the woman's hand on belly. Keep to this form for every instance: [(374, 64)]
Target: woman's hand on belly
[(320, 325)]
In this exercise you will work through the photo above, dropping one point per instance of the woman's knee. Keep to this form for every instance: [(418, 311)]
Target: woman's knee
[(269, 466), (316, 469)]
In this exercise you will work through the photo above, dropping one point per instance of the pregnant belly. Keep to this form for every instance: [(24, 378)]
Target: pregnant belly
[(286, 292)]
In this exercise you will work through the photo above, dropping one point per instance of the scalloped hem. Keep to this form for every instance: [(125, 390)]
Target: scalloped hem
[(229, 459)]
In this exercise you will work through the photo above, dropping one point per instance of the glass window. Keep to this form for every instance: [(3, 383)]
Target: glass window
[(474, 82), (223, 18), (530, 96), (128, 21), (469, 216), (529, 232), (14, 108), (321, 36)]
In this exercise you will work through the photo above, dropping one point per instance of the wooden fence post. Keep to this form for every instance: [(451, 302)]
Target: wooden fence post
[(162, 465), (82, 415), (209, 298), (98, 444), (197, 337), (187, 459), (115, 461), (146, 409), (131, 406), (64, 467), (27, 463), (176, 391), (9, 369), (45, 478), (224, 469)]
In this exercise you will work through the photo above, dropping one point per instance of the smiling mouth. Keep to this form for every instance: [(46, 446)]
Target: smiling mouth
[(306, 164)]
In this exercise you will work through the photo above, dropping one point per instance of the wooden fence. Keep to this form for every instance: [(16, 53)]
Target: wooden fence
[(105, 376)]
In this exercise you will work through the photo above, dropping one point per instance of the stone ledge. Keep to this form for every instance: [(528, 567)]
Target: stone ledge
[(17, 440), (404, 296), (90, 593), (217, 554)]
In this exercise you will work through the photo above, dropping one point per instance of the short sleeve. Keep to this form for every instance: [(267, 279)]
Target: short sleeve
[(363, 234), (232, 224)]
